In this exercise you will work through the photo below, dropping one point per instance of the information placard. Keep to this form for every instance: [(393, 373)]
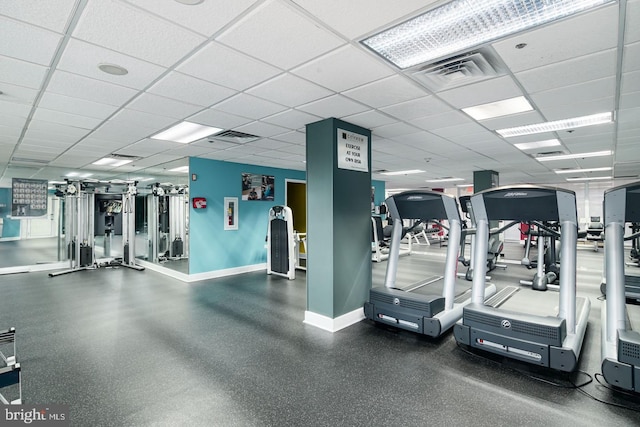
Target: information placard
[(353, 151), (29, 197)]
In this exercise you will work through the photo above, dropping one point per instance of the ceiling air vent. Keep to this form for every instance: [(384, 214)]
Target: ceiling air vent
[(379, 171), (233, 137), (124, 156), (550, 153), (459, 70)]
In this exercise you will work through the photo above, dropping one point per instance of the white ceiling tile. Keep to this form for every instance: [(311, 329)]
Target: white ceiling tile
[(630, 82), (122, 133), (66, 118), (53, 144), (630, 100), (370, 14), (568, 38), (262, 129), (453, 132), (189, 150), (628, 118), (575, 94), (41, 148), (150, 146), (77, 106), (631, 58), (291, 119), (73, 85), (205, 18), (51, 14), (333, 106), (10, 120), (249, 106), (632, 29), (389, 91), (57, 128), (272, 144), (335, 70), (138, 34), (18, 94), (481, 93), (219, 119), (578, 70), (370, 119), (224, 66), (14, 108), (422, 140), (83, 58), (294, 137), (394, 129), (46, 135), (553, 111), (214, 144), (421, 107), (299, 150), (185, 88), (38, 155), (154, 104), (441, 120), (512, 120), (264, 32), (142, 119), (26, 42), (21, 73), (289, 90)]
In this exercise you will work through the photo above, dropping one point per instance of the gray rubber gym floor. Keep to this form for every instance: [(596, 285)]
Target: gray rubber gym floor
[(128, 348)]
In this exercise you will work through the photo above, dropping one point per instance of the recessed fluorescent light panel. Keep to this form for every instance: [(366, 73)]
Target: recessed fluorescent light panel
[(110, 161), (462, 24), (560, 171), (537, 144), (186, 132), (448, 179), (576, 122), (575, 156), (591, 178), (499, 108), (184, 169), (78, 175), (464, 185), (407, 172)]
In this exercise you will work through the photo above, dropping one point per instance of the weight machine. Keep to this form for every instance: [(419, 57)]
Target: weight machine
[(167, 217)]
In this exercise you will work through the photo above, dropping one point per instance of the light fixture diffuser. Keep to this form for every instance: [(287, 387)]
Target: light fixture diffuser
[(448, 179), (575, 156), (183, 169), (462, 24), (110, 161), (505, 107), (573, 123), (537, 144), (591, 178), (407, 172), (603, 169), (186, 132)]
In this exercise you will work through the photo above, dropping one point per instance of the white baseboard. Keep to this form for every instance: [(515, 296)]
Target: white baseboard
[(35, 267), (333, 325), (188, 278)]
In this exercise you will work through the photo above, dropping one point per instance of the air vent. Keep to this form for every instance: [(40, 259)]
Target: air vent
[(124, 156), (234, 137), (27, 160), (380, 171), (460, 70), (550, 153)]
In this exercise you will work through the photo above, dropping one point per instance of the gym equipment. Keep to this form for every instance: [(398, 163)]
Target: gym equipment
[(631, 281), (547, 263), (380, 241), (167, 219), (431, 306), (10, 371), (620, 341), (594, 232), (281, 246), (521, 323), (494, 247)]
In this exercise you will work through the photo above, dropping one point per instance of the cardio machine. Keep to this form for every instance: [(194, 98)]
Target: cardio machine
[(522, 323), (431, 306), (620, 321)]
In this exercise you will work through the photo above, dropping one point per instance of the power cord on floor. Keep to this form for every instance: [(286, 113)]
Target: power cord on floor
[(578, 387)]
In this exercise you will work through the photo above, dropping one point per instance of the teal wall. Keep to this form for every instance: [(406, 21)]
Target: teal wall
[(11, 227), (378, 194), (210, 246)]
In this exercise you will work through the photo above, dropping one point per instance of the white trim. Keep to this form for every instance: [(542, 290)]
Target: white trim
[(9, 239), (34, 267), (188, 278), (334, 325)]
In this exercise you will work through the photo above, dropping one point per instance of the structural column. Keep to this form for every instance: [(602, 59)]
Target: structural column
[(338, 223)]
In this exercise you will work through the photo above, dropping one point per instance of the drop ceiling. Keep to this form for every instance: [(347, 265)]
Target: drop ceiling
[(268, 67)]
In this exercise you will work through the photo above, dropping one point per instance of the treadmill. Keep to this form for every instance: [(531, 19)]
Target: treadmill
[(620, 342), (432, 306), (522, 323)]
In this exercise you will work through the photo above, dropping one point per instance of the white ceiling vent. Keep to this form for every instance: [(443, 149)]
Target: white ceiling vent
[(459, 70), (549, 153), (233, 137)]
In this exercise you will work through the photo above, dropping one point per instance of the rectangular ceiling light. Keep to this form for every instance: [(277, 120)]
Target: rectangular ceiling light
[(448, 179), (464, 185), (186, 132), (573, 123), (537, 144), (184, 169), (407, 172), (499, 108), (575, 156), (460, 25), (110, 161), (603, 169), (591, 178)]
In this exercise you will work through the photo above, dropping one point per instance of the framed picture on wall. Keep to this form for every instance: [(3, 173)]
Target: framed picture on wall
[(258, 187)]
